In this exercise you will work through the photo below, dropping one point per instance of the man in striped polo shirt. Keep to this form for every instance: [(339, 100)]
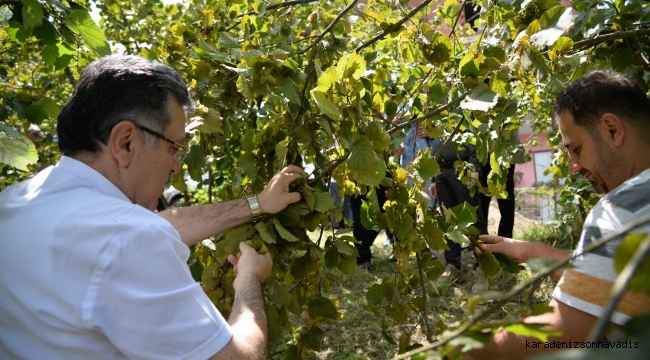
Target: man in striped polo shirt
[(604, 120)]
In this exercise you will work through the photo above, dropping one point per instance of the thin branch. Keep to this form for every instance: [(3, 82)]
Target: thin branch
[(329, 169), (610, 37), (393, 27), (289, 3), (519, 288), (328, 29), (426, 301), (435, 112), (618, 289), (453, 27), (453, 132)]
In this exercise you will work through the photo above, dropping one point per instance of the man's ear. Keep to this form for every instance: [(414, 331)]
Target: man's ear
[(121, 142), (612, 128)]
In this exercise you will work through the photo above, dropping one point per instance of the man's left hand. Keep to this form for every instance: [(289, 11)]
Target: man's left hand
[(276, 195)]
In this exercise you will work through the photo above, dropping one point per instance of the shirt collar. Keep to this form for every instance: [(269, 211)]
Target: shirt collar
[(92, 176)]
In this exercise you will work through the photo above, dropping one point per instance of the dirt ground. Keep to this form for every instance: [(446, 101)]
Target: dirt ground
[(521, 222)]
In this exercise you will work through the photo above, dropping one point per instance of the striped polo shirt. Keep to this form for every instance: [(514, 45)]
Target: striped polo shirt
[(587, 285)]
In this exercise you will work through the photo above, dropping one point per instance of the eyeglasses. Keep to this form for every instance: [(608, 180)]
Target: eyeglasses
[(179, 150)]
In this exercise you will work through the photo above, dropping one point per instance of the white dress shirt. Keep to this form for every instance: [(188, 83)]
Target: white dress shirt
[(86, 274)]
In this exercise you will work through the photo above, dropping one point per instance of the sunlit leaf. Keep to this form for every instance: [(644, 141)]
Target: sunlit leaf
[(32, 13), (264, 233), (326, 106), (641, 280), (17, 151), (480, 98), (284, 232), (81, 23), (531, 330)]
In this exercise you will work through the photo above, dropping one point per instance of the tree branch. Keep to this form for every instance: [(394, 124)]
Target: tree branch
[(328, 29), (435, 112), (426, 301), (519, 288), (329, 169), (610, 37), (618, 289), (289, 3), (393, 27), (460, 122)]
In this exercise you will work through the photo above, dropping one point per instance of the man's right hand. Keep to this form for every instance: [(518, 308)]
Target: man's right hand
[(421, 132), (517, 250), (276, 195), (248, 263), (432, 190)]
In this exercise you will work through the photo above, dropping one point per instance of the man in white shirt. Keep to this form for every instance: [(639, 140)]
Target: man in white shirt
[(88, 270)]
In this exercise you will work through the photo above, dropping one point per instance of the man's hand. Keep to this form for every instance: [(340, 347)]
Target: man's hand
[(517, 250), (249, 263), (399, 151), (432, 190), (421, 132), (276, 195)]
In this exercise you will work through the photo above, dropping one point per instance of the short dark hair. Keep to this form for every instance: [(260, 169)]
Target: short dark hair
[(116, 88), (590, 97)]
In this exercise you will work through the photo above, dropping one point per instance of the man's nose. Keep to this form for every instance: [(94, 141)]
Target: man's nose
[(574, 167), (176, 166)]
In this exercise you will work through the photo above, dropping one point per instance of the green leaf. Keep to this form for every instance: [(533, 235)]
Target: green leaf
[(641, 280), (326, 106), (325, 308), (233, 237), (332, 257), (374, 295), (490, 266), (470, 63), (32, 14), (246, 162), (328, 78), (17, 150), (281, 149), (508, 264), (36, 114), (345, 248), (480, 98), (347, 264), (276, 292), (351, 66), (427, 168), (289, 89), (437, 93), (81, 23), (264, 233), (324, 201), (284, 232), (195, 158), (50, 53), (211, 123), (379, 137), (463, 215), (227, 41), (366, 167), (531, 330), (312, 338), (434, 236), (554, 23)]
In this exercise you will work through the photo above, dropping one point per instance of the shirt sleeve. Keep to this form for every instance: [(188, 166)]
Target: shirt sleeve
[(144, 299)]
